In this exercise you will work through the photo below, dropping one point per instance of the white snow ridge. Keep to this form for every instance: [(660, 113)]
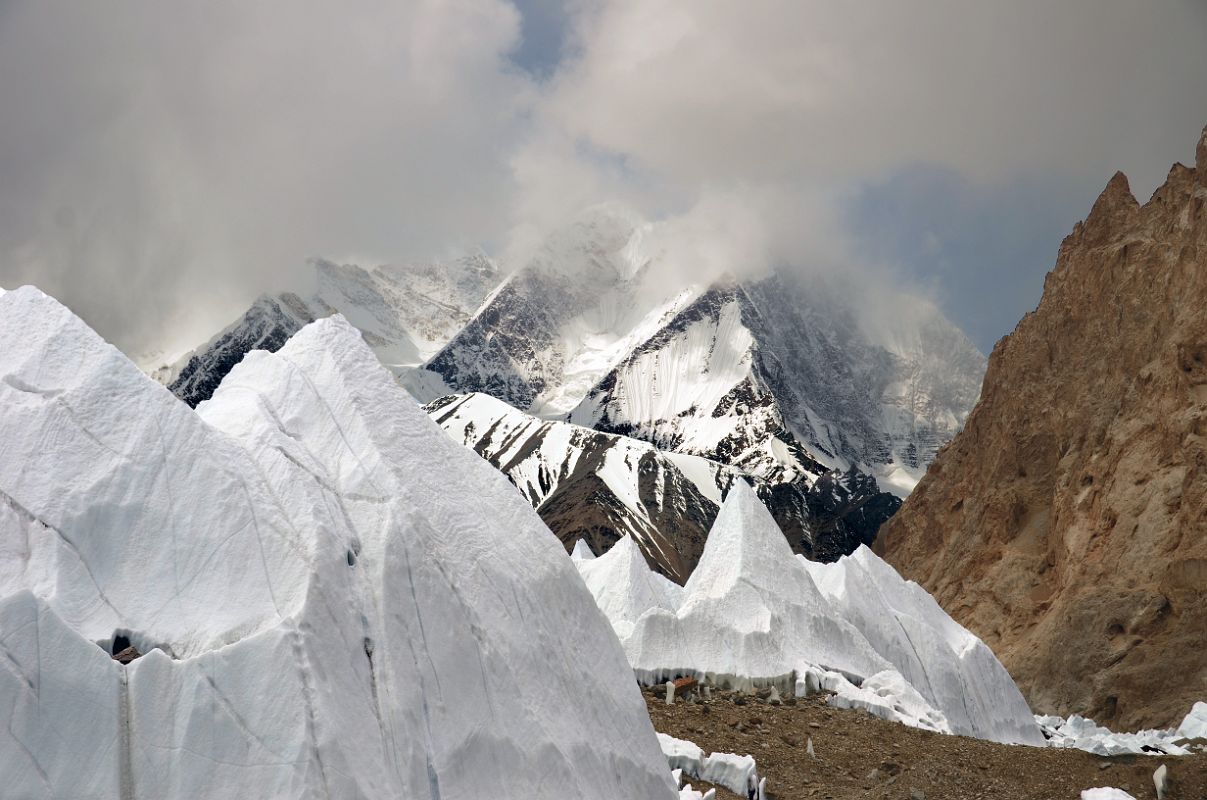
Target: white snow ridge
[(333, 598)]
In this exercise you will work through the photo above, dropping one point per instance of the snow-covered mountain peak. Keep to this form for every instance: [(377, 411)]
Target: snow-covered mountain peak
[(598, 487), (780, 377), (562, 320)]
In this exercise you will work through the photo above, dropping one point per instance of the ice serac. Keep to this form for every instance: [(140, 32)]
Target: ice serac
[(404, 312), (950, 667), (1067, 523), (1194, 724), (751, 614), (333, 599), (625, 588)]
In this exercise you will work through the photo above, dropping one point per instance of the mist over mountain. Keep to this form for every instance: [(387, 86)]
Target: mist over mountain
[(622, 403)]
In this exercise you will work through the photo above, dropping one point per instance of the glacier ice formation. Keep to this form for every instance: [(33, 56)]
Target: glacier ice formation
[(333, 598), (753, 614)]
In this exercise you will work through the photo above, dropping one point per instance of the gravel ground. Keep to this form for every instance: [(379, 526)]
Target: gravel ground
[(860, 756)]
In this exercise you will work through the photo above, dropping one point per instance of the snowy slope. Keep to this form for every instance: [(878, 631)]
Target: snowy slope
[(334, 599), (405, 313), (786, 377), (601, 487), (750, 613)]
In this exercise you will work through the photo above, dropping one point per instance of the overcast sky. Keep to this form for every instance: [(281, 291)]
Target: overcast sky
[(161, 162)]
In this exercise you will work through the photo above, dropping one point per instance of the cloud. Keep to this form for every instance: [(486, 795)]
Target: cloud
[(815, 122), (813, 90), (162, 163), (165, 161)]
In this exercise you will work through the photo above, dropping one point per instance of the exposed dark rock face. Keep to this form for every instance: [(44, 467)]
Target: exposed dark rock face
[(833, 517)]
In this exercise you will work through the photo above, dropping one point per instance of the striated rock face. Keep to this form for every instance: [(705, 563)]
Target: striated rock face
[(1067, 523)]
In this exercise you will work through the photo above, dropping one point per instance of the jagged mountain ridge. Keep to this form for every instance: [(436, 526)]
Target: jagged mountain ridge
[(599, 487), (785, 376), (405, 314), (1067, 523)]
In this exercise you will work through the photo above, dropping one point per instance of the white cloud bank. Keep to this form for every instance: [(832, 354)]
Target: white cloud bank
[(161, 163)]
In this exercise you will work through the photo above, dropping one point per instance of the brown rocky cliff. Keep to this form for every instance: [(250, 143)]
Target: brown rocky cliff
[(1067, 523)]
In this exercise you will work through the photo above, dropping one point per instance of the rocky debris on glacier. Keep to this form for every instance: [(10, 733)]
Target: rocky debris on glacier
[(855, 755), (332, 598), (943, 766), (404, 312), (752, 615), (599, 487)]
